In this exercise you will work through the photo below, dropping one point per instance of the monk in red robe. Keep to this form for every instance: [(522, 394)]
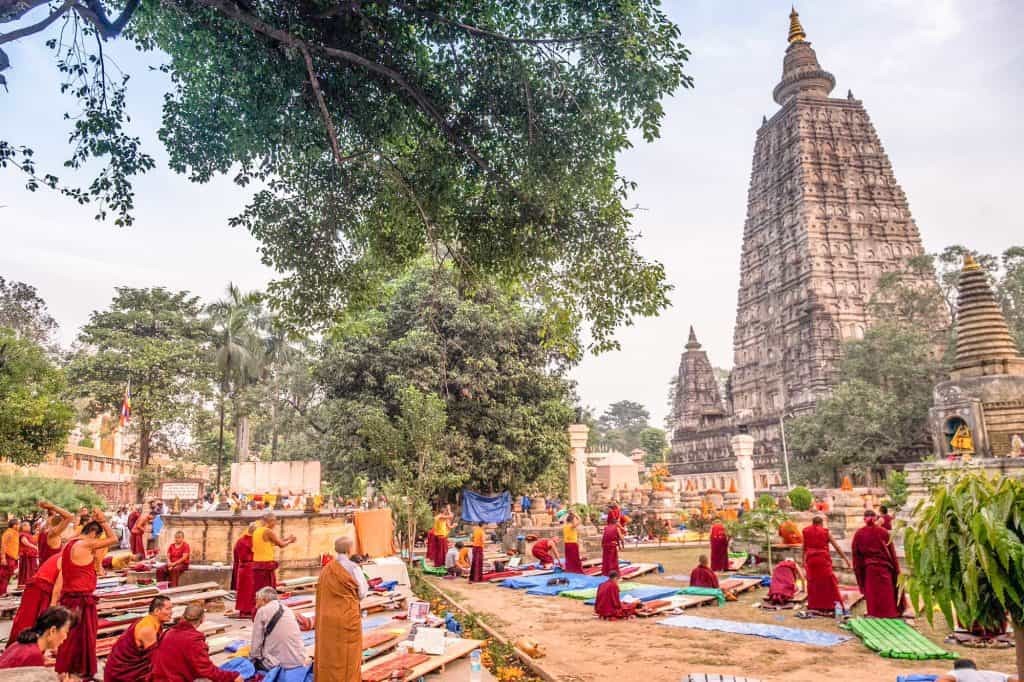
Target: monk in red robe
[(132, 542), (182, 655), (719, 547), (140, 531), (784, 582), (702, 575), (608, 604), (241, 574), (877, 569), (129, 660), (885, 520), (37, 597), (46, 634), (545, 551), (476, 565), (822, 585), (28, 555), (77, 655), (177, 560), (50, 539), (610, 539)]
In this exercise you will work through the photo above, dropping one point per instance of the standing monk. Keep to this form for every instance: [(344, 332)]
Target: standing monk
[(442, 521), (822, 586), (264, 539), (476, 565), (719, 546), (177, 560), (28, 554), (339, 629), (49, 540), (10, 542), (241, 574), (886, 519), (132, 518), (130, 657), (571, 538), (610, 539), (140, 534), (40, 594), (877, 568), (77, 655)]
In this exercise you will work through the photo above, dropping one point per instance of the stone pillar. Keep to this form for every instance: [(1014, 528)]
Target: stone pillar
[(743, 447), (578, 463)]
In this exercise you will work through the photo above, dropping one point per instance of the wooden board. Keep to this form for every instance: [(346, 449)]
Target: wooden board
[(456, 650), (681, 602), (739, 585)]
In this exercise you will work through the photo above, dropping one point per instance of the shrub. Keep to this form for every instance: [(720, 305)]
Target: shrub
[(801, 498), (766, 501), (19, 494)]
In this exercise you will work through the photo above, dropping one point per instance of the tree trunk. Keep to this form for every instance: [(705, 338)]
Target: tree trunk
[(273, 429), (241, 438), (145, 434), (1018, 639), (220, 447)]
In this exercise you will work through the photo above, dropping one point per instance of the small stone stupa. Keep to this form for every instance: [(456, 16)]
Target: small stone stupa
[(981, 408)]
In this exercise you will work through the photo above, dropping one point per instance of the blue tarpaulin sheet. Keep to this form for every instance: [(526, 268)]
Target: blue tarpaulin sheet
[(576, 582), (646, 593), (478, 508), (528, 581), (279, 674), (814, 637), (916, 678), (240, 666)]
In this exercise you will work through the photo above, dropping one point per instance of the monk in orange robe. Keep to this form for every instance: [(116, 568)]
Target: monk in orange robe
[(608, 604), (339, 630), (182, 655), (130, 657), (10, 542), (264, 540), (476, 569), (877, 569), (719, 547), (790, 533), (822, 585), (702, 575)]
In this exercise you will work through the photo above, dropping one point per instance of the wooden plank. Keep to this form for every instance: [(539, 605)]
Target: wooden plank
[(195, 587), (457, 649)]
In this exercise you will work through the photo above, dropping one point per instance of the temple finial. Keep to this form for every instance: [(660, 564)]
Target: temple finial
[(692, 343), (796, 30), (969, 264)]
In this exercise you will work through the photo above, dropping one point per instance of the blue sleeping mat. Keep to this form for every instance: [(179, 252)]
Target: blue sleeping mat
[(576, 582), (646, 593)]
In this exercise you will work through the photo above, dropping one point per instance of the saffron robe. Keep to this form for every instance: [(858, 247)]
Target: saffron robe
[(570, 537), (28, 559), (610, 548), (339, 632), (822, 585), (127, 661), (542, 551), (77, 655), (783, 586), (877, 568), (790, 533), (719, 548), (35, 599), (20, 655), (608, 604), (8, 557), (184, 657), (702, 576)]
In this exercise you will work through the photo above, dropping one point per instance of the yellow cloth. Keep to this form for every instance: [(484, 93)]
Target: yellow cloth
[(375, 531), (463, 559), (440, 527), (148, 621), (11, 542), (570, 534), (262, 548), (478, 537)]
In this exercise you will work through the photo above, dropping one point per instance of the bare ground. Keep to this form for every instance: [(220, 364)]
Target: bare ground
[(582, 648)]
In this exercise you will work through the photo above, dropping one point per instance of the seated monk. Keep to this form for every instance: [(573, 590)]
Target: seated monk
[(703, 576), (130, 657), (607, 604), (462, 559), (183, 656), (784, 581), (545, 551), (177, 560), (790, 533)]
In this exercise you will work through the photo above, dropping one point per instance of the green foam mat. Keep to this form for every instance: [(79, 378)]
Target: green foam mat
[(893, 638), (431, 570), (591, 592)]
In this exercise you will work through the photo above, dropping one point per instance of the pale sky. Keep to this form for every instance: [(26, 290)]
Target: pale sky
[(941, 81)]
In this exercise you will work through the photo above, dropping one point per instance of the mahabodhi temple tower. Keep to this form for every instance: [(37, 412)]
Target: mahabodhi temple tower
[(825, 219)]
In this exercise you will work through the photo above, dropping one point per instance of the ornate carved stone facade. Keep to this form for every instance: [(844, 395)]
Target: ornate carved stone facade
[(825, 220)]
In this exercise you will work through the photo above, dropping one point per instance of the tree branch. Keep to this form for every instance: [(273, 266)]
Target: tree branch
[(38, 26), (94, 12), (328, 122)]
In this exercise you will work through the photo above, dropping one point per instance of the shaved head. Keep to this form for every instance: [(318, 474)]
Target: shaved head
[(194, 614), (343, 545)]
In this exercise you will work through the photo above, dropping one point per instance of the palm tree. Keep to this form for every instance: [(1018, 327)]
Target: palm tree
[(278, 354), (238, 355)]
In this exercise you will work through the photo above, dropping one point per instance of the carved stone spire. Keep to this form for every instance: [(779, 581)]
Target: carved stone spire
[(691, 343), (801, 72), (983, 342)]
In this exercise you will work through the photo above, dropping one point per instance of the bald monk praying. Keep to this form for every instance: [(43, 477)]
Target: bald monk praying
[(339, 629), (702, 575), (182, 655), (783, 587), (130, 657)]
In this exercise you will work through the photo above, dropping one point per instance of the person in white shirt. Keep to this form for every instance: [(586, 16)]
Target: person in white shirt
[(965, 670), (276, 638)]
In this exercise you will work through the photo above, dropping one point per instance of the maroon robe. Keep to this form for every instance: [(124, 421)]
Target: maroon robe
[(245, 594), (783, 586), (136, 543), (702, 576), (610, 548), (542, 551), (20, 655), (822, 585), (476, 565), (77, 655), (877, 568), (719, 548), (174, 553), (572, 563), (28, 559), (608, 605), (45, 551), (126, 661), (35, 599), (8, 567), (184, 657)]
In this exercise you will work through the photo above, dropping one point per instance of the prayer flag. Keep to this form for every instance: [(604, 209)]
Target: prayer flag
[(126, 404)]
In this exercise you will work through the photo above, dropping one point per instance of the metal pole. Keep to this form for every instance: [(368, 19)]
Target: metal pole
[(785, 451)]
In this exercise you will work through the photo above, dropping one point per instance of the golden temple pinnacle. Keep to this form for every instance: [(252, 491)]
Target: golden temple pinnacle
[(796, 31), (970, 263)]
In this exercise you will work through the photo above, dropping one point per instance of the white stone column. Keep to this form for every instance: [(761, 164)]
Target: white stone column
[(743, 448), (578, 463)]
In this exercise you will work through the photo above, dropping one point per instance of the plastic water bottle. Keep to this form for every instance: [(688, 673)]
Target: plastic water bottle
[(475, 666), (839, 611)]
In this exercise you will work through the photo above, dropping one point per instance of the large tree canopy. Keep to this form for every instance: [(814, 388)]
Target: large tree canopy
[(485, 132)]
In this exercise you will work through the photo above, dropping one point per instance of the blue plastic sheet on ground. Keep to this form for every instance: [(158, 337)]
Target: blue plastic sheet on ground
[(766, 580), (375, 622), (236, 645), (646, 593), (916, 678), (478, 508), (813, 637), (525, 582), (576, 581), (240, 666), (279, 674)]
